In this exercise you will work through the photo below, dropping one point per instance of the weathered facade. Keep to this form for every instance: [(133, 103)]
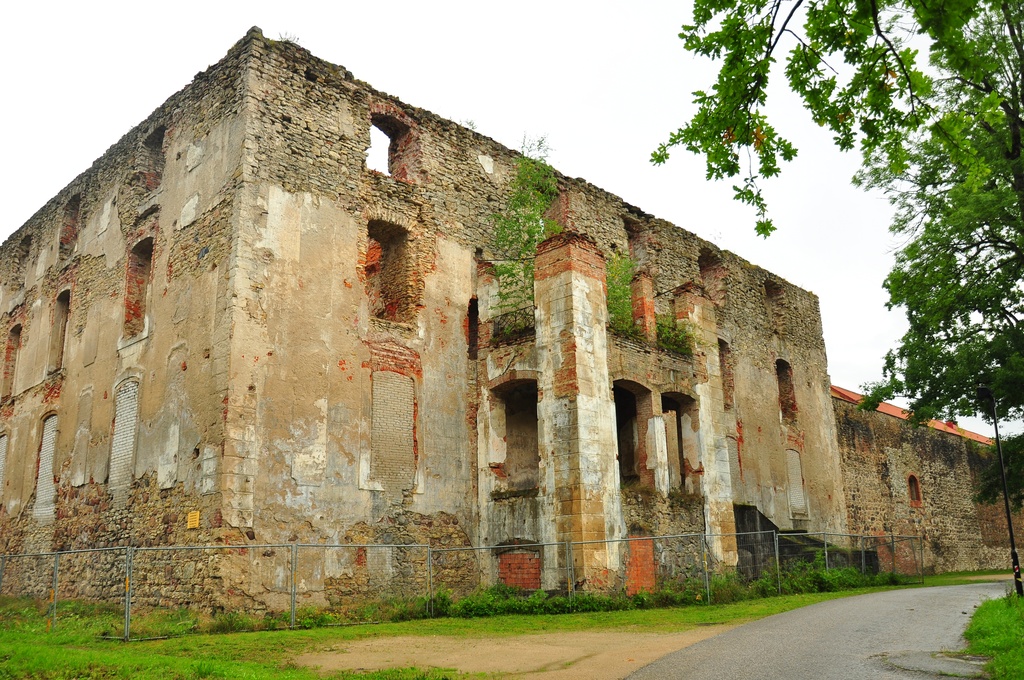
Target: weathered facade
[(229, 314), (919, 481)]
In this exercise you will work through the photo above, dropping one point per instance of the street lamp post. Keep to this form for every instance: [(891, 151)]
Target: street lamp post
[(985, 394)]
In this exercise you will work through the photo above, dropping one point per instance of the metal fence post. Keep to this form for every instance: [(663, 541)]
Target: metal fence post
[(921, 563), (129, 553), (778, 562), (704, 561), (825, 537), (3, 566), (570, 569), (863, 558), (430, 581), (892, 550), (52, 623), (295, 569)]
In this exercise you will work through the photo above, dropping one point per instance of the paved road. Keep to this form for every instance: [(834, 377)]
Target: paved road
[(892, 634)]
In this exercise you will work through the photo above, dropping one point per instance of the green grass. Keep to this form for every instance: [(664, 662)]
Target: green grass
[(76, 647), (997, 630), (72, 649)]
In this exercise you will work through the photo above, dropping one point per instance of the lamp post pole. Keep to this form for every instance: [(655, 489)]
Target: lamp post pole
[(985, 393)]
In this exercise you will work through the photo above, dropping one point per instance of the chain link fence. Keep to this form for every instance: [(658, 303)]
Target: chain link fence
[(244, 587)]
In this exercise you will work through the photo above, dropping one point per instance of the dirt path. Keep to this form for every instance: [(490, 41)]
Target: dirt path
[(605, 655)]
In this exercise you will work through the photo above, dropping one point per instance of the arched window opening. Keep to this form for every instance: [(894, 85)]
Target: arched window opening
[(59, 331), (634, 406), (682, 429), (522, 445), (11, 352), (140, 266), (914, 490), (626, 433), (787, 392), (391, 283)]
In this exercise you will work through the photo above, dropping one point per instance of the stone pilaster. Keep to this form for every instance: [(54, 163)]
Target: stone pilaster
[(576, 410)]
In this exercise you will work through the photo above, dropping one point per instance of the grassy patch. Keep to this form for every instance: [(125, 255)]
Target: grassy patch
[(997, 630)]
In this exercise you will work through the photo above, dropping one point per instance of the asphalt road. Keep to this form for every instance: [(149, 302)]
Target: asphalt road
[(895, 634)]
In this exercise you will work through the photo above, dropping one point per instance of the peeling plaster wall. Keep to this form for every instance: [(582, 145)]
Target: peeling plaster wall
[(304, 359), (173, 179)]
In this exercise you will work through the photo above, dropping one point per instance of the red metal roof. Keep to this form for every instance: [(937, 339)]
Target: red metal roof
[(897, 412)]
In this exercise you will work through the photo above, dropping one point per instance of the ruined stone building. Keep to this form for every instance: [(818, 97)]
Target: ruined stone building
[(229, 314)]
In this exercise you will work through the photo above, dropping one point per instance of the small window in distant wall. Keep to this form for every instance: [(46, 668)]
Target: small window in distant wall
[(725, 365), (46, 490), (11, 351), (122, 444), (776, 297), (914, 491), (787, 392), (69, 228), (712, 276), (136, 294), (59, 331)]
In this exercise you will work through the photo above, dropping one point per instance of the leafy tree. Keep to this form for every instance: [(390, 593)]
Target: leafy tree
[(942, 139), (520, 228), (991, 482)]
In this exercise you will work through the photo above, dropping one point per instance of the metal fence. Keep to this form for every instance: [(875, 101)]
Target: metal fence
[(281, 585)]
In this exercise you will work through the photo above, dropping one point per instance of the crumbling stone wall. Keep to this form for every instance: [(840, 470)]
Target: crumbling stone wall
[(879, 454), (312, 344)]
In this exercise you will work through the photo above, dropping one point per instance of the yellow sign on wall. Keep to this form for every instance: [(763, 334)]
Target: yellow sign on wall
[(193, 519)]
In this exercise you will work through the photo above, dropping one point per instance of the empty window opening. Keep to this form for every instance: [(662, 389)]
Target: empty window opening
[(682, 428), (390, 134), (46, 490), (122, 445), (725, 366), (473, 329), (59, 331), (11, 352), (390, 279), (392, 430), (794, 471), (522, 452), (914, 490), (627, 433), (140, 266), (787, 393), (151, 161), (712, 276), (70, 226), (377, 154)]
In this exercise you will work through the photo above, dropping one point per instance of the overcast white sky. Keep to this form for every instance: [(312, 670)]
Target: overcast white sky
[(605, 82)]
